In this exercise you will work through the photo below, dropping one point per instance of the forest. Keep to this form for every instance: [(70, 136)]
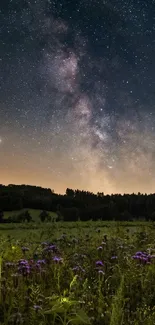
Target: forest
[(78, 204)]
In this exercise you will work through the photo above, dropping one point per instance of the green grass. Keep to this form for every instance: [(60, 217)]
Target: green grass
[(33, 212), (122, 293)]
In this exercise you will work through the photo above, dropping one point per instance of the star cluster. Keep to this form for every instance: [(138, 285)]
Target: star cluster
[(77, 94)]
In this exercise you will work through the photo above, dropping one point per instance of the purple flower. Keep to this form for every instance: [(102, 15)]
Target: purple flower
[(99, 263), (57, 259), (142, 257), (135, 257), (25, 270), (22, 262), (23, 267), (139, 253), (50, 248), (41, 262), (114, 257)]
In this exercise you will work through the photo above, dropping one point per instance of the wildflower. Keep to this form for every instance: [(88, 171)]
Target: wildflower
[(139, 253), (57, 259), (114, 257), (99, 248), (101, 272), (78, 268), (50, 248), (99, 263), (22, 262), (44, 243), (37, 308), (142, 257), (135, 257), (9, 264), (25, 270), (41, 262), (25, 249), (23, 267)]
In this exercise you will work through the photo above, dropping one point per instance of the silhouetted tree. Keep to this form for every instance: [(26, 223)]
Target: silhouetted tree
[(69, 192), (27, 216), (44, 215), (1, 216)]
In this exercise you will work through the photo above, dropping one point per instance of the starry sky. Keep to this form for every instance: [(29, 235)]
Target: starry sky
[(77, 94)]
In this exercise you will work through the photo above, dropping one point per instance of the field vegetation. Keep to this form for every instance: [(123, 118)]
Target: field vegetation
[(77, 258), (77, 273)]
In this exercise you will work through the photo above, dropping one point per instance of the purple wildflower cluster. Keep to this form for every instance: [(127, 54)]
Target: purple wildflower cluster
[(50, 248), (25, 267), (143, 258), (99, 266)]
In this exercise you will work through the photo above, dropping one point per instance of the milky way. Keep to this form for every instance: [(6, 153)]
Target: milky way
[(77, 95)]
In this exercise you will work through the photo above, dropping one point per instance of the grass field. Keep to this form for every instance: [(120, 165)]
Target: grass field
[(33, 212), (77, 273)]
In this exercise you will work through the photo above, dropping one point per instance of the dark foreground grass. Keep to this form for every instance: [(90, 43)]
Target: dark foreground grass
[(91, 273)]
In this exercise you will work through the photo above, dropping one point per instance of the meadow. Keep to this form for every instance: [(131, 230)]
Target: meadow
[(77, 273)]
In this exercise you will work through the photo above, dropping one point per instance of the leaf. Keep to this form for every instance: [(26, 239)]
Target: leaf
[(73, 282), (58, 308), (80, 318)]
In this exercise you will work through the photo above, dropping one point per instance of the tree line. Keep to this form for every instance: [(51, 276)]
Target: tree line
[(77, 204)]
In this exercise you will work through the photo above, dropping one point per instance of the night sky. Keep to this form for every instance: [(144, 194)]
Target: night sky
[(77, 94)]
